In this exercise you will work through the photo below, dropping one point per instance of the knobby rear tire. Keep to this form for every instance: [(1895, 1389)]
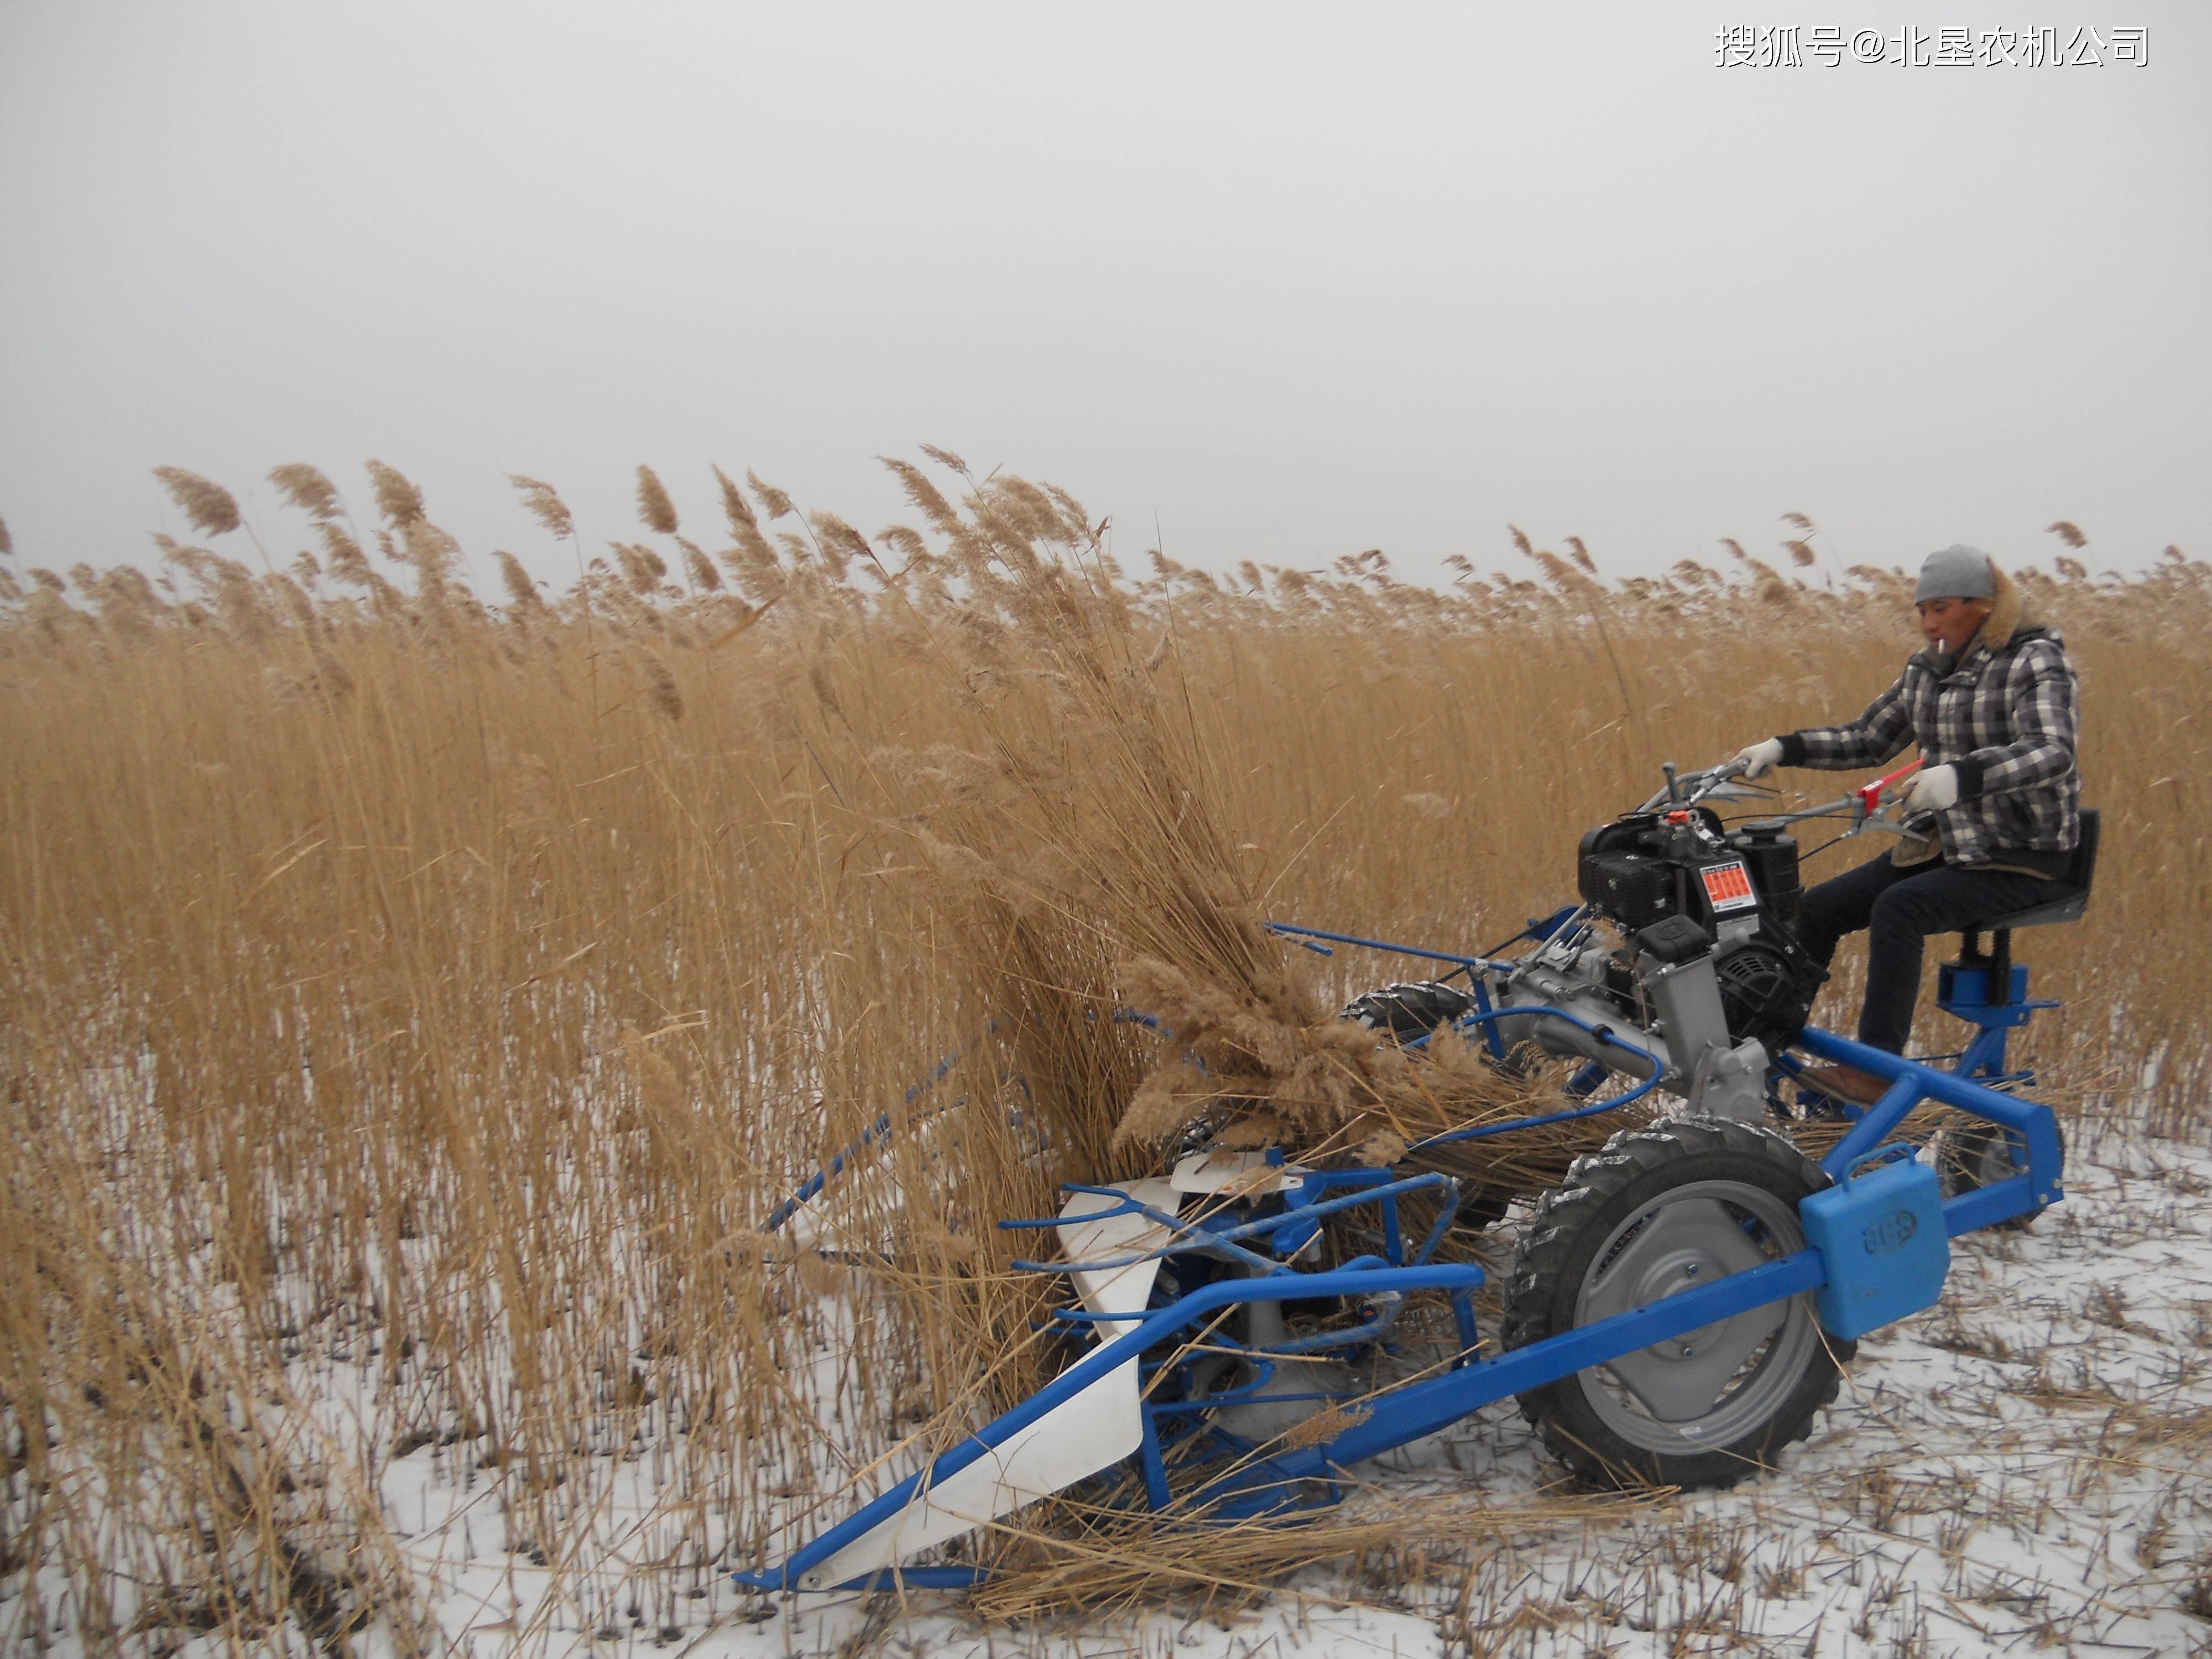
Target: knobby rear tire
[(1733, 1189)]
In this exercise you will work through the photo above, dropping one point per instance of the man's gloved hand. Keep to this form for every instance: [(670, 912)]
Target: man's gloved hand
[(1761, 757), (1934, 789)]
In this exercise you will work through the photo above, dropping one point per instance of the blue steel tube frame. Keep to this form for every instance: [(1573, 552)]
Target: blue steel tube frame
[(1407, 1413), (1909, 1083), (1422, 1409)]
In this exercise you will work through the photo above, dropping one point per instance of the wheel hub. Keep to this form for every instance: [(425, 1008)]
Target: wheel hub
[(1696, 1386)]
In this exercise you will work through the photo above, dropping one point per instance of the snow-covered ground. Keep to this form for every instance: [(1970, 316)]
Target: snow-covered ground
[(2027, 1467)]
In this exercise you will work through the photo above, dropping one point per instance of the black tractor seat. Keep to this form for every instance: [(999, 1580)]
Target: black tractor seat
[(2068, 900)]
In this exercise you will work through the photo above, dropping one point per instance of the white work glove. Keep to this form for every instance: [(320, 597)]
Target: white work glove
[(1934, 789), (1761, 757)]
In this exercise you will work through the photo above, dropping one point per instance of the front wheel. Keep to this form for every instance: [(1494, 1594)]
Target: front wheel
[(1660, 1210)]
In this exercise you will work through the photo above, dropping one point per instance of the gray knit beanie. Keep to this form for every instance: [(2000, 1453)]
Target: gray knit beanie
[(1958, 572)]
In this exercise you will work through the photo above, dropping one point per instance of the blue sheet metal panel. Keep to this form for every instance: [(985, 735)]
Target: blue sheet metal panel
[(1881, 1232)]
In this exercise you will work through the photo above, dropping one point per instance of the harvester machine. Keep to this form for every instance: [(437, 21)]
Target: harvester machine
[(1242, 1331)]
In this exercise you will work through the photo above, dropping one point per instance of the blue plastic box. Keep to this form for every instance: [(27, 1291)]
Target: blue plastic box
[(1880, 1232)]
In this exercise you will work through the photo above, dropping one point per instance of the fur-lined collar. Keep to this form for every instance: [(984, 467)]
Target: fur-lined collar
[(2010, 616)]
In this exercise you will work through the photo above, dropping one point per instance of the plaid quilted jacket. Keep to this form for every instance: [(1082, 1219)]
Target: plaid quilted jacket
[(2005, 716)]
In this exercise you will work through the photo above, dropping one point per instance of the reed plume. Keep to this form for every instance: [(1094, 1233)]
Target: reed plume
[(654, 510), (206, 506), (544, 504), (308, 490), (397, 497)]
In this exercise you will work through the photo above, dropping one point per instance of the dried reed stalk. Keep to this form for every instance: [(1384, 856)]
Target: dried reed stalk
[(321, 1036)]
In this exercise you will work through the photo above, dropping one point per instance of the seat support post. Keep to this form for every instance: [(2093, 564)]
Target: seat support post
[(1982, 988)]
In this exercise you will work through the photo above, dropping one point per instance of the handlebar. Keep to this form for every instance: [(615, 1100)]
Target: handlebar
[(1689, 788), (1865, 807)]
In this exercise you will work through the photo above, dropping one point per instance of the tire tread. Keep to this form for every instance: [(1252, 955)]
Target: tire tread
[(1541, 1259)]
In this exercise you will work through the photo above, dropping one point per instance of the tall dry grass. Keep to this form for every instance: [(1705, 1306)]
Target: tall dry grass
[(419, 1003)]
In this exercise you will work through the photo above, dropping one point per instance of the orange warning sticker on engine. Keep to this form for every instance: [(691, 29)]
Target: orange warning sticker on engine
[(1729, 887)]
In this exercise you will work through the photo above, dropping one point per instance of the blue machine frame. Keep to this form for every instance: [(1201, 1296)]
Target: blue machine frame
[(1295, 1477)]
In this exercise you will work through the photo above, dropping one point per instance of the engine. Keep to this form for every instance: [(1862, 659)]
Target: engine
[(1697, 970), (1739, 890)]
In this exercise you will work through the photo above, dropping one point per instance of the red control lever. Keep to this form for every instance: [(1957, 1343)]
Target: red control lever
[(1870, 795)]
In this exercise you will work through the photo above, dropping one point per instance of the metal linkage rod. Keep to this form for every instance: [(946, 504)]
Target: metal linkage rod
[(1385, 946), (1190, 1239), (1610, 1037)]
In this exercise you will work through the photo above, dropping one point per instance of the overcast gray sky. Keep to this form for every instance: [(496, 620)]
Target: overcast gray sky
[(1290, 281)]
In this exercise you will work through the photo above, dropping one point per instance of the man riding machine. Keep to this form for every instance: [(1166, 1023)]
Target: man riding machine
[(1994, 705)]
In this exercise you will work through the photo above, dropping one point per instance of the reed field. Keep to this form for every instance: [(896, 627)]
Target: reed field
[(423, 986)]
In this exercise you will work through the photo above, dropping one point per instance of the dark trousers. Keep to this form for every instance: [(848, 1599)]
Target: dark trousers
[(1899, 907)]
